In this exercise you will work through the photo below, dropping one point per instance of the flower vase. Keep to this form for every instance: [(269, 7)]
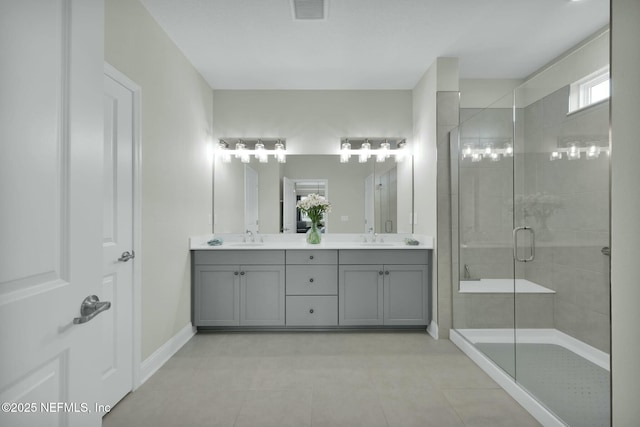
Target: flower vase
[(313, 234)]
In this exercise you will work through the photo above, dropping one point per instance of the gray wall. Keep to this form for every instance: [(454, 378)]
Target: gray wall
[(625, 211)]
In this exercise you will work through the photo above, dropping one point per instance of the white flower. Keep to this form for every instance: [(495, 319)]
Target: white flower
[(314, 205)]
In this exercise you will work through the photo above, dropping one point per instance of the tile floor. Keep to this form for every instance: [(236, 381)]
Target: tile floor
[(368, 379)]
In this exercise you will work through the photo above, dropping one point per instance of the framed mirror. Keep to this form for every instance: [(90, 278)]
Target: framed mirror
[(365, 197)]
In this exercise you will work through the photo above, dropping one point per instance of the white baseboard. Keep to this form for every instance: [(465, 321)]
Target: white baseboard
[(159, 357), (432, 329)]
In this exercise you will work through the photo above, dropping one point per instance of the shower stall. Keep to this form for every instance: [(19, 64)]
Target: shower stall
[(530, 205)]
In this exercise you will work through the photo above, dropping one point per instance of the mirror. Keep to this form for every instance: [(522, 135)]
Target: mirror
[(365, 197)]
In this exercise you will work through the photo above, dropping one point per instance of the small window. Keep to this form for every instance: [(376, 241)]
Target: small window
[(589, 90)]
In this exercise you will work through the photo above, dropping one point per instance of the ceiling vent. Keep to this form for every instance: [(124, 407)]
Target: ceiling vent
[(309, 9)]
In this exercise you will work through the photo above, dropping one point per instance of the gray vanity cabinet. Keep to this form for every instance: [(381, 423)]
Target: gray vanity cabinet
[(239, 294), (216, 299), (405, 295), (360, 295), (383, 287), (310, 288)]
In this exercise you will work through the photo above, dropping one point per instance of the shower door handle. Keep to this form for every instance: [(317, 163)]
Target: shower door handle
[(532, 254)]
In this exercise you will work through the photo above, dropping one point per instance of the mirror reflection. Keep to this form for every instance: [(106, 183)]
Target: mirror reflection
[(370, 197)]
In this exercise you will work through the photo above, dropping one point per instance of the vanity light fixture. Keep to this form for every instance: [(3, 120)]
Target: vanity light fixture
[(260, 148), (381, 148), (575, 149), (487, 150)]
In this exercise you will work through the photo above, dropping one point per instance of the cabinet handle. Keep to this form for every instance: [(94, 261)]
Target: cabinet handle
[(386, 272), (242, 273), (311, 311), (381, 272), (310, 256), (311, 280), (235, 273)]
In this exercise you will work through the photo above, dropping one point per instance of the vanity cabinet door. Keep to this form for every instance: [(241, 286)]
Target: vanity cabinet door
[(217, 295), (405, 295), (360, 295), (262, 295)]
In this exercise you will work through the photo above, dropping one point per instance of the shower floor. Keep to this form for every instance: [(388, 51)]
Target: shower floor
[(573, 388)]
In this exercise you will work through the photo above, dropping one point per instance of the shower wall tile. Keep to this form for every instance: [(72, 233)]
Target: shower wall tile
[(490, 310), (590, 327), (586, 289), (534, 310), (582, 257)]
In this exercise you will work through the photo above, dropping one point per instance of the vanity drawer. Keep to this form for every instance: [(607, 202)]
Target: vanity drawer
[(246, 257), (312, 311), (311, 257), (384, 256), (312, 280)]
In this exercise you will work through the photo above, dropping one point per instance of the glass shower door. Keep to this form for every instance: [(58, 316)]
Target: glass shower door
[(561, 281), (482, 183)]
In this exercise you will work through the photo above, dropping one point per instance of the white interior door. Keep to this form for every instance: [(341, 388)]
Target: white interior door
[(250, 199), (117, 240), (51, 125), (289, 224)]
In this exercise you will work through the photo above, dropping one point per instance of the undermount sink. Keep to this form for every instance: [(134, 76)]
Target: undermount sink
[(377, 244), (247, 244)]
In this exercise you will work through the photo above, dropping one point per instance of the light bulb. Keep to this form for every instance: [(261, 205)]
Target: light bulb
[(364, 152), (467, 151), (344, 152), (555, 155), (383, 153), (593, 152), (488, 150), (508, 150), (574, 152), (239, 147), (280, 153), (261, 153)]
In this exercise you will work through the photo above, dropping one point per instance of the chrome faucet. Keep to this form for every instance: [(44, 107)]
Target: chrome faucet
[(372, 235), (467, 274), (250, 233)]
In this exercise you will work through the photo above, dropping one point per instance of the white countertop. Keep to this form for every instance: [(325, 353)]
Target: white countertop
[(297, 241)]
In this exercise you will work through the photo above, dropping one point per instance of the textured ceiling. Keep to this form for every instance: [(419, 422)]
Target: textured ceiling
[(371, 44)]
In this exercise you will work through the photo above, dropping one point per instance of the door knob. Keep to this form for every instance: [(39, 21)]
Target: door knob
[(90, 308), (126, 256)]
